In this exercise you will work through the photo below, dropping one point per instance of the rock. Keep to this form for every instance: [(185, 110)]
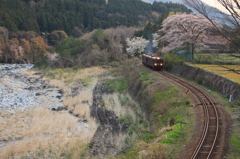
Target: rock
[(60, 91), (59, 97), (75, 94), (39, 73), (85, 101), (31, 88), (74, 91), (76, 115), (109, 126), (74, 88), (7, 68), (21, 92), (37, 94), (60, 108), (16, 76)]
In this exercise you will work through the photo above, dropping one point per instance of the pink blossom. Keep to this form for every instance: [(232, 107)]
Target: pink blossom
[(185, 28)]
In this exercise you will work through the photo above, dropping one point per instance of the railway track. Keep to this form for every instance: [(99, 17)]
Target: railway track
[(206, 147)]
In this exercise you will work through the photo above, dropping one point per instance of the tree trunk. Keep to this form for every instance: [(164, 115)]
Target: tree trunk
[(192, 51)]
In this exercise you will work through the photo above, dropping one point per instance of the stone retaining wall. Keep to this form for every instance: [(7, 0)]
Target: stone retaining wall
[(210, 80)]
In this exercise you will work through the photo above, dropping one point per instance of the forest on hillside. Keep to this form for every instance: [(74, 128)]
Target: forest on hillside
[(77, 16)]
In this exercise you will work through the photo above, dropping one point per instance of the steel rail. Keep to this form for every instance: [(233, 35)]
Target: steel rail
[(199, 93)]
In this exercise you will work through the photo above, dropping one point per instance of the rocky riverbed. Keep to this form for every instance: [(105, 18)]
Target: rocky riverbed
[(33, 116), (19, 91)]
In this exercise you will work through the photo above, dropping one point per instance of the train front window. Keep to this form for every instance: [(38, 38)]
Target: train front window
[(159, 60)]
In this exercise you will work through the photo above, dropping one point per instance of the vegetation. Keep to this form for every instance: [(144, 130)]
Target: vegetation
[(147, 32), (217, 58), (229, 16), (117, 85), (160, 125), (30, 29), (171, 59), (226, 71), (164, 125), (186, 30), (77, 16), (99, 47), (49, 134), (234, 138)]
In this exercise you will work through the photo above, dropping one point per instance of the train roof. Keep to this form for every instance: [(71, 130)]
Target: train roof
[(154, 56)]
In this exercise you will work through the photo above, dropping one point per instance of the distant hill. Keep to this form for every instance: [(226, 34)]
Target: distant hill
[(75, 15), (173, 1)]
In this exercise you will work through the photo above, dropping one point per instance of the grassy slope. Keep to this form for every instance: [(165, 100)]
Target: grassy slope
[(159, 139)]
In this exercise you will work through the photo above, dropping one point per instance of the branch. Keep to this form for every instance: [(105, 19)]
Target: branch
[(230, 69)]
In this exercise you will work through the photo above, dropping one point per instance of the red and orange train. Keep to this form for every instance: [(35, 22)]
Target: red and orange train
[(152, 61)]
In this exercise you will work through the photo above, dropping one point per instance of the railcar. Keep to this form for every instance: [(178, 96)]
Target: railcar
[(152, 61)]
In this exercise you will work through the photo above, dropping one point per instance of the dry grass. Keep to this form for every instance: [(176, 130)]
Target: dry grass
[(76, 104), (222, 71), (46, 134), (112, 102), (40, 133), (152, 151), (40, 128)]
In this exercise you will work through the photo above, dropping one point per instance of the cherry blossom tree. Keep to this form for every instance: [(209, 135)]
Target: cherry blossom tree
[(136, 46), (185, 29), (230, 17)]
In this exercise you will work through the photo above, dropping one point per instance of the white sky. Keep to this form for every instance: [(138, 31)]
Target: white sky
[(214, 3), (146, 1)]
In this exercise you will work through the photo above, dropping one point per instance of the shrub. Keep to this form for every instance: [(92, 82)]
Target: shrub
[(117, 85), (235, 141), (42, 64), (171, 59)]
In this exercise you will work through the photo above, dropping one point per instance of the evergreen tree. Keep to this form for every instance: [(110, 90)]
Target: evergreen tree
[(49, 15), (9, 23)]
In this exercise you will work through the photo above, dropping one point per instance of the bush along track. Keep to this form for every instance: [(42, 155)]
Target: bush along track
[(159, 125)]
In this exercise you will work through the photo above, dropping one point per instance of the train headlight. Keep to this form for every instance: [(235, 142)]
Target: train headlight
[(155, 64), (161, 64)]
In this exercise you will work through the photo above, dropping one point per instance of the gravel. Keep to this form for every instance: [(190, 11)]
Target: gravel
[(19, 92)]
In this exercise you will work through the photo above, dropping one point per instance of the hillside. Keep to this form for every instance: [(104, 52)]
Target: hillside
[(165, 1), (74, 16)]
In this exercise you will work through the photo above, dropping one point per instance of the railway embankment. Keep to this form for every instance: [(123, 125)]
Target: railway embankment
[(207, 79), (225, 87)]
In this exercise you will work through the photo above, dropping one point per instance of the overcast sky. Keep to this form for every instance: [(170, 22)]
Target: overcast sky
[(215, 4), (146, 1)]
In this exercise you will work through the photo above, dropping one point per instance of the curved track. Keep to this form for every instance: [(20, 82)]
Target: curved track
[(206, 147)]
